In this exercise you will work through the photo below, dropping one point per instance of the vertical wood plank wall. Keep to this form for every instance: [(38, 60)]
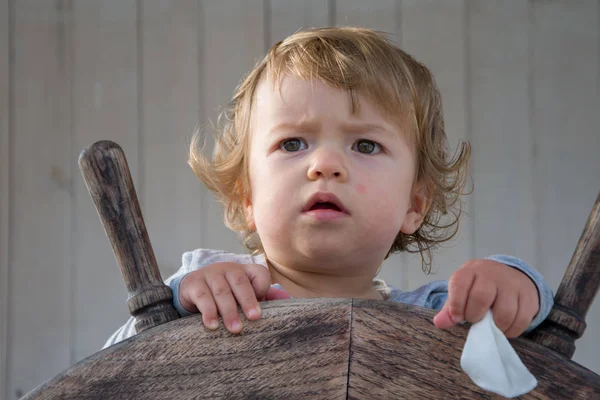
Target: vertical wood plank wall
[(40, 280), (520, 80), (105, 104), (565, 101), (233, 40), (171, 69), (434, 32), (5, 92), (498, 43)]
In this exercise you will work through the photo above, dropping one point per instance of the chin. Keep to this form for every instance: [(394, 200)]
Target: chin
[(326, 250)]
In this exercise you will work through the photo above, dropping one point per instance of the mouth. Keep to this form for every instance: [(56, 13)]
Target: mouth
[(325, 201)]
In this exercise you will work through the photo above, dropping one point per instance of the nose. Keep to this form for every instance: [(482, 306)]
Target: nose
[(327, 164)]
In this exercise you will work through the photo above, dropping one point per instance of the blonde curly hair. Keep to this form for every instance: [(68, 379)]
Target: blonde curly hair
[(359, 61)]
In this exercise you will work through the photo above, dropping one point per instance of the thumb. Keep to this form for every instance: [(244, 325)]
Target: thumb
[(443, 319), (276, 294), (259, 277)]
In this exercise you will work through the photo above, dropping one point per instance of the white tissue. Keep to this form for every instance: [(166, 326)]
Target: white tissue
[(492, 363)]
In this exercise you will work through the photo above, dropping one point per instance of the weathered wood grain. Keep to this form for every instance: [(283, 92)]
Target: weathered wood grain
[(319, 348), (297, 350), (310, 348), (109, 182), (397, 353), (566, 322)]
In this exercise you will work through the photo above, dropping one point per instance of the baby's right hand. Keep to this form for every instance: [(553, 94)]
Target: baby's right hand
[(217, 289)]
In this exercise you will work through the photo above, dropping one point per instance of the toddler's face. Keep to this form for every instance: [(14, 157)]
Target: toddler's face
[(328, 186)]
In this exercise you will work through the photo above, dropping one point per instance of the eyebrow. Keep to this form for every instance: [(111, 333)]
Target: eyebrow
[(308, 126), (313, 126), (360, 127)]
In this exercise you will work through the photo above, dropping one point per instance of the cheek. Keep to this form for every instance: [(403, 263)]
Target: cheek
[(269, 191), (385, 201)]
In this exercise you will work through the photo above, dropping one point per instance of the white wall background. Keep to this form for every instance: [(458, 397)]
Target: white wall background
[(520, 80)]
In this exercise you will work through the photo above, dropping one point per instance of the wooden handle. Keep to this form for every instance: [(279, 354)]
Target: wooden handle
[(109, 182), (566, 322)]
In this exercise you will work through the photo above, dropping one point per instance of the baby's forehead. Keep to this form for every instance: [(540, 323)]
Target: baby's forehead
[(291, 97)]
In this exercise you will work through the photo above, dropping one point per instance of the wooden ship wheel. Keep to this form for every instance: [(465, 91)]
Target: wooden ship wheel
[(303, 349)]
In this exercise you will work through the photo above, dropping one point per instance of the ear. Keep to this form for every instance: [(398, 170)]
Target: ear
[(416, 213), (249, 211)]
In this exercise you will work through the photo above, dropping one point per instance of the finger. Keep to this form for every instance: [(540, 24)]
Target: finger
[(276, 294), (260, 279), (443, 319), (225, 301), (459, 287), (479, 300), (202, 298), (505, 309), (244, 292), (522, 319)]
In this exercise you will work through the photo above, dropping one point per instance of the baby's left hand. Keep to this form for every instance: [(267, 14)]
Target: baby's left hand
[(479, 285)]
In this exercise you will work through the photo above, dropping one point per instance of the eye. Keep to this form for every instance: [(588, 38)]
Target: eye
[(365, 146), (293, 144)]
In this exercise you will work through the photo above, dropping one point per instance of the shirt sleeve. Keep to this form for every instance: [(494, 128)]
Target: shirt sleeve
[(122, 333), (434, 294)]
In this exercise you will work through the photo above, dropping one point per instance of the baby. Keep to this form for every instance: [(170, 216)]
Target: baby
[(333, 155)]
